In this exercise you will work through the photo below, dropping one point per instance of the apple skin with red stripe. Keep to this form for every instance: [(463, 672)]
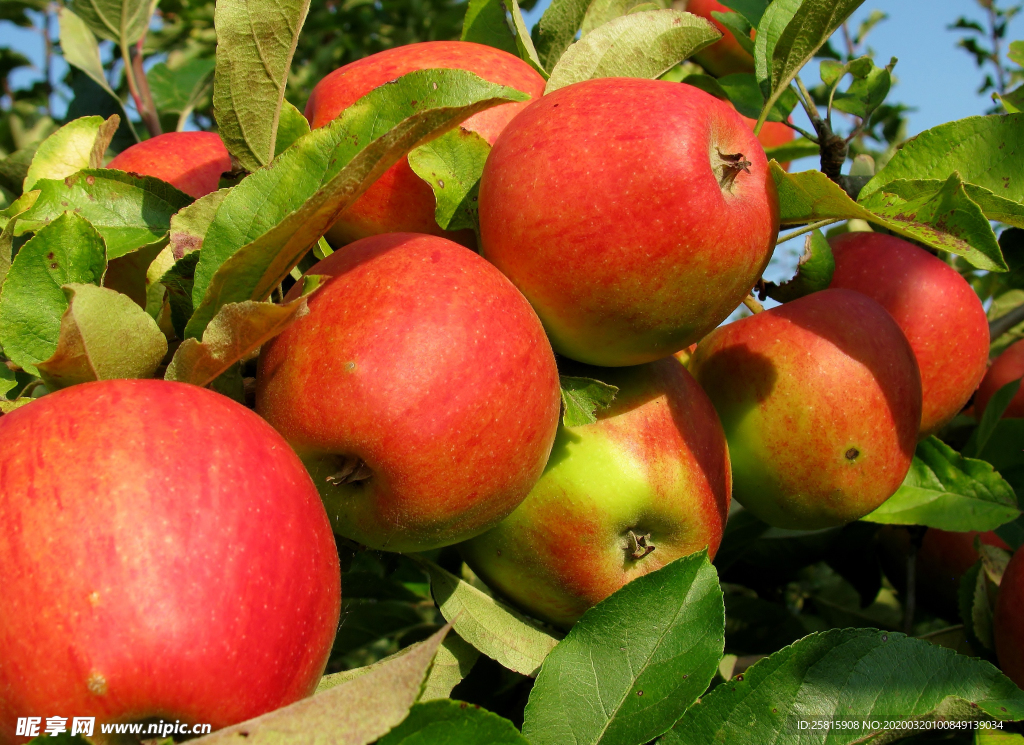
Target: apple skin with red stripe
[(419, 390), (634, 215), (165, 555), (654, 466), (820, 399)]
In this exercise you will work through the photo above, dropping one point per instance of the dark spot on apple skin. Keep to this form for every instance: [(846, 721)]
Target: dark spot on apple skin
[(243, 733), (499, 552), (852, 454)]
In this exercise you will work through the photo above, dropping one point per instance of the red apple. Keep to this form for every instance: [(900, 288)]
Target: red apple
[(820, 399), (647, 483), (400, 201), (420, 392), (191, 161), (1006, 368), (164, 554), (1008, 624), (725, 56), (634, 215), (772, 134), (938, 311)]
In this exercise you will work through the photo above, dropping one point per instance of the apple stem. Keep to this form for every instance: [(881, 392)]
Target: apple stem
[(352, 470), (638, 545), (752, 305), (732, 164)]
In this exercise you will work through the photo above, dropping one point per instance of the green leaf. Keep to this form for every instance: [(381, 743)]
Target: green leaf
[(189, 224), (602, 11), (975, 606), (788, 36), (178, 90), (452, 663), (178, 282), (867, 92), (271, 219), (557, 29), (453, 723), (992, 206), (846, 675), (985, 150), (452, 165), (742, 90), (104, 335), (454, 659), (946, 219), (638, 45), (486, 23), (1012, 102), (20, 206), (813, 271), (292, 127), (947, 491), (582, 398), (991, 416), (237, 330), (14, 169), (122, 21), (524, 42), (501, 633), (1003, 450), (128, 211), (80, 49), (8, 381), (355, 712), (798, 148), (77, 145), (984, 736), (737, 25), (752, 10), (67, 251), (255, 43), (633, 663)]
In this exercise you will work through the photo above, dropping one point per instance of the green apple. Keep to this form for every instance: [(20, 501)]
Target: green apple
[(647, 483)]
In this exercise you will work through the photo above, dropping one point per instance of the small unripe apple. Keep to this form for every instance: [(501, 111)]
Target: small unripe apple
[(400, 201), (419, 390), (647, 483), (164, 554), (1008, 623), (634, 215), (820, 399), (941, 315), (1006, 368), (725, 56), (191, 161)]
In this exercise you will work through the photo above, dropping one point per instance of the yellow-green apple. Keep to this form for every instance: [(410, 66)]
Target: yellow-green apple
[(190, 161), (726, 56), (420, 392), (941, 315), (1006, 368), (164, 554), (940, 563), (647, 483), (400, 201), (1008, 623), (820, 399), (634, 215)]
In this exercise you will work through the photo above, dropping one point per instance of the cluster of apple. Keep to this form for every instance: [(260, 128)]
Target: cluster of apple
[(621, 221)]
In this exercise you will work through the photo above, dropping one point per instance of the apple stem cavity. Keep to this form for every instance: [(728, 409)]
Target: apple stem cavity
[(352, 470), (638, 546), (731, 165)]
